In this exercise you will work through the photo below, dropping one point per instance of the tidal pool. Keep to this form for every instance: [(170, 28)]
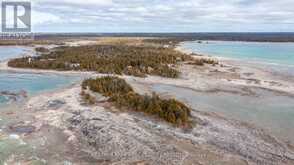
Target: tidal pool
[(14, 86)]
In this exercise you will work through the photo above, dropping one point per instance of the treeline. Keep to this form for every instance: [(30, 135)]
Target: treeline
[(242, 36), (123, 95), (110, 59), (171, 42)]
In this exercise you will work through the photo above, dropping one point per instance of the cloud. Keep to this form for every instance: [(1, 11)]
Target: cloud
[(75, 2), (165, 15), (42, 18)]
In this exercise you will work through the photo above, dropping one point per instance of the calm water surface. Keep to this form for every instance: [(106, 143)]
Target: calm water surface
[(8, 52), (268, 110), (275, 113), (31, 84), (268, 52), (27, 82)]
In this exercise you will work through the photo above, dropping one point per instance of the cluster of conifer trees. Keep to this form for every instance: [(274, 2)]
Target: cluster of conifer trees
[(122, 94), (137, 60)]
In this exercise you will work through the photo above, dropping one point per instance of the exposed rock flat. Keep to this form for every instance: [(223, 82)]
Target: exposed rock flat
[(61, 128), (109, 135)]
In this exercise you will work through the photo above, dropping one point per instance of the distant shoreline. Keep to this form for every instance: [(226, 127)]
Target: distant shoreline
[(56, 38), (265, 62), (225, 36)]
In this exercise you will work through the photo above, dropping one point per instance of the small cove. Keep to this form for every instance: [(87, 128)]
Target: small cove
[(14, 84)]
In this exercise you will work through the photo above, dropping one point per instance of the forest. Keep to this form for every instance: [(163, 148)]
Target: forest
[(136, 60)]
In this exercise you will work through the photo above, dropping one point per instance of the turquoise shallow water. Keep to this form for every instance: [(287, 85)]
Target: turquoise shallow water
[(270, 111), (275, 113), (11, 84), (8, 52), (31, 83), (267, 52), (28, 82)]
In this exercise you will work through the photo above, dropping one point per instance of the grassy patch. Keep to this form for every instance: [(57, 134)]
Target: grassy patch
[(123, 95)]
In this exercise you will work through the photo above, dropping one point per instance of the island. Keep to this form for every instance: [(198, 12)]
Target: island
[(123, 110)]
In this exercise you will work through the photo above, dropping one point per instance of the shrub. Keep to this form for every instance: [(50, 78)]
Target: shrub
[(87, 98), (42, 50), (202, 61), (166, 71), (107, 85)]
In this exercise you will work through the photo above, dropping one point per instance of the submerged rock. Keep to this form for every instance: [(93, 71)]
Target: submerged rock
[(14, 96), (55, 104), (22, 129)]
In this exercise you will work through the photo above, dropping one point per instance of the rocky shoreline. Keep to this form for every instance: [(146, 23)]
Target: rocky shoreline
[(108, 135), (62, 130)]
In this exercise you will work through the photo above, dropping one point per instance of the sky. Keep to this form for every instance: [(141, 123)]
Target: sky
[(163, 15)]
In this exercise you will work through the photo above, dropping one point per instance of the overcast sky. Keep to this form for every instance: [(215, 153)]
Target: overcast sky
[(163, 15)]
